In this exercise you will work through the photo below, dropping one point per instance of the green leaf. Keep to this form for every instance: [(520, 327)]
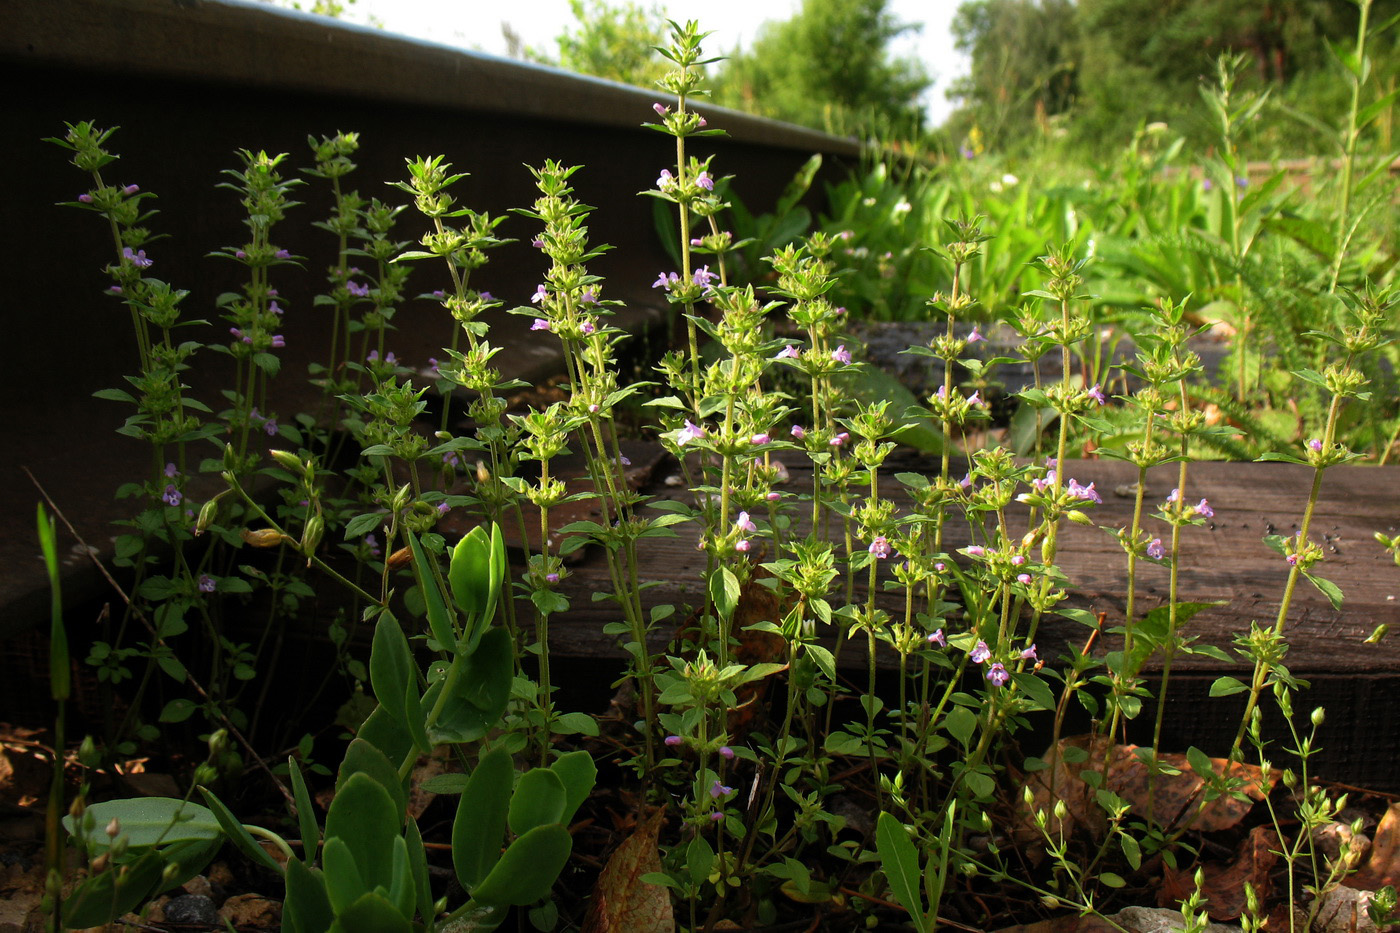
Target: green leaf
[(235, 832), (384, 733), (343, 882), (480, 685), (699, 859), (1131, 851), (439, 618), (1035, 689), (528, 868), (60, 670), (578, 774), (1201, 764), (147, 821), (1327, 588), (306, 815), (103, 898), (363, 817), (824, 660), (961, 723), (899, 860), (480, 826), (361, 757), (1111, 880), (177, 710), (724, 591), (539, 800), (1227, 686), (391, 669), (471, 564), (574, 724), (306, 907)]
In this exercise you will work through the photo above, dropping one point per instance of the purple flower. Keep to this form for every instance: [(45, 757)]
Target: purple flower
[(588, 297), (940, 567), (743, 545), (937, 638), (239, 254), (1087, 493), (726, 752), (799, 432), (705, 181), (997, 674), (270, 426), (841, 355), (976, 550), (1207, 184), (773, 496), (551, 578), (672, 740), (840, 439), (587, 327), (691, 432), (540, 295), (1155, 549), (1023, 578), (980, 652), (85, 198), (744, 523), (975, 398), (283, 254), (718, 790), (1096, 394), (137, 258), (758, 440), (171, 470), (1018, 560), (696, 241), (540, 324), (278, 341), (207, 583), (967, 153), (661, 110), (357, 290), (715, 816), (172, 495), (1315, 445), (373, 357), (372, 543), (275, 308), (240, 335), (1174, 495), (789, 352), (703, 277), (881, 547), (1204, 510), (443, 508), (1292, 560), (665, 181), (975, 336), (1028, 654), (666, 280), (131, 189)]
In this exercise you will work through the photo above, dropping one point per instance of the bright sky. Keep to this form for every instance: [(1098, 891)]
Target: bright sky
[(477, 24)]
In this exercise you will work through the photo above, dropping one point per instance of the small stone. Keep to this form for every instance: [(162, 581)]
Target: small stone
[(192, 909), (1160, 920), (1343, 910), (251, 910)]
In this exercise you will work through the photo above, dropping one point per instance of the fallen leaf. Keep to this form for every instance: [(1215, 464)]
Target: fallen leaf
[(622, 902), (252, 910), (1223, 884), (1383, 867)]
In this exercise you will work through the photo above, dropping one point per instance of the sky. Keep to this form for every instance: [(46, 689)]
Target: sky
[(476, 24)]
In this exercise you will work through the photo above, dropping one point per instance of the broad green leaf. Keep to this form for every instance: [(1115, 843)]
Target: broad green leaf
[(539, 800), (104, 897), (363, 817), (1227, 686), (363, 758), (306, 907), (439, 618), (578, 774), (343, 881), (480, 826), (468, 572), (148, 821), (391, 668), (961, 723), (724, 591), (1327, 588), (384, 733), (371, 913), (899, 860), (479, 686), (528, 869)]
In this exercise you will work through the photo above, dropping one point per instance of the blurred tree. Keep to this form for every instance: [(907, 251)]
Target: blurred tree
[(613, 42), (828, 67)]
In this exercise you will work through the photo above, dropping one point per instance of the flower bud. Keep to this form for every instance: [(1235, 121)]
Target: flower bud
[(288, 460), (400, 558), (207, 513), (263, 537), (114, 828), (88, 755), (312, 534), (1318, 715)]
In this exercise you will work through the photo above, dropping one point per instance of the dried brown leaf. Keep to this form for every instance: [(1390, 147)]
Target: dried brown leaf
[(1383, 867), (1223, 883), (622, 902)]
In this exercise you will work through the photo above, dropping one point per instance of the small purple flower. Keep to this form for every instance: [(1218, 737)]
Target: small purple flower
[(696, 241), (744, 523), (131, 189), (789, 352), (1018, 560), (975, 398), (700, 122), (1174, 496), (357, 290), (940, 567), (540, 295), (1155, 549), (938, 638), (726, 752), (439, 294), (115, 289), (278, 341), (1028, 654), (433, 364), (666, 280), (551, 578), (975, 336), (718, 790), (270, 426), (207, 583), (881, 547), (799, 432), (373, 357), (372, 543), (588, 297), (1292, 560), (661, 109), (1096, 394), (705, 181), (1024, 579), (966, 152), (980, 652), (172, 495), (1204, 510), (773, 496), (1207, 184), (715, 815), (623, 460), (283, 254), (840, 439), (85, 198), (1087, 493), (587, 327), (976, 550), (841, 355), (239, 254), (443, 508), (275, 308), (665, 181), (997, 674), (171, 470), (691, 432), (758, 440), (540, 324), (743, 545), (1315, 445), (703, 277), (136, 258), (672, 740)]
